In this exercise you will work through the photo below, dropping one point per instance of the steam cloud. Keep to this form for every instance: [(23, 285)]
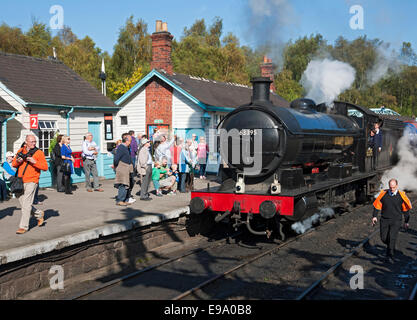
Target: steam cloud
[(325, 79), (405, 170), (385, 60), (302, 226)]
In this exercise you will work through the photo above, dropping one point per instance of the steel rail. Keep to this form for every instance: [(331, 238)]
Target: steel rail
[(333, 269), (219, 276), (310, 290), (413, 294), (149, 268), (269, 251)]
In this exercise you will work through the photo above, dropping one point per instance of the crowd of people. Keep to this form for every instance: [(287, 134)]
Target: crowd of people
[(168, 161)]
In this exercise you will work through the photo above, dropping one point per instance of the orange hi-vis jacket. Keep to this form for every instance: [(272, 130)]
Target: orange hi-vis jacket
[(33, 171), (406, 206)]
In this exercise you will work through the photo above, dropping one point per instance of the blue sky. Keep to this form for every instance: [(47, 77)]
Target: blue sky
[(389, 20)]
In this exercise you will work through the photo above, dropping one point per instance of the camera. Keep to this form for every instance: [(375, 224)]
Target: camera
[(22, 155)]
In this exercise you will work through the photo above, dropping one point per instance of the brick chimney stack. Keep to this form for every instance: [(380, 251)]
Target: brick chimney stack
[(161, 47), (267, 70)]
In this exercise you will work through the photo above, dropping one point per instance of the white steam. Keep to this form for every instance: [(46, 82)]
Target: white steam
[(302, 226), (405, 170), (325, 79), (385, 60)]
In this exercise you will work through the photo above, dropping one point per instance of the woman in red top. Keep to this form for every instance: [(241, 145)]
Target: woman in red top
[(175, 151), (202, 152)]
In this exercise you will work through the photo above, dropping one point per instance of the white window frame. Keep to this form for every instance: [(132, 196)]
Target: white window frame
[(46, 126)]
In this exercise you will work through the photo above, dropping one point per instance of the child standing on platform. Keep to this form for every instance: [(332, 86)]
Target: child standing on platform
[(157, 171)]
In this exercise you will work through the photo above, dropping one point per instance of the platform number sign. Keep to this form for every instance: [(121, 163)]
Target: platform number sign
[(34, 121)]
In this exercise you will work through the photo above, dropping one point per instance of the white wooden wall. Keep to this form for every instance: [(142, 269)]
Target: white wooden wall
[(135, 110), (185, 113), (18, 128)]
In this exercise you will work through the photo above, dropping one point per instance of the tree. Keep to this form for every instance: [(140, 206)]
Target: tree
[(117, 89), (360, 53), (286, 87), (205, 54), (12, 40), (408, 55), (132, 50), (39, 40), (297, 55)]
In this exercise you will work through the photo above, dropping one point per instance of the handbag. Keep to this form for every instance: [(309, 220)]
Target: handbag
[(16, 183)]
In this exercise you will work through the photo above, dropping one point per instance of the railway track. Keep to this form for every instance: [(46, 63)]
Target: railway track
[(317, 284), (137, 273), (311, 290), (253, 259), (413, 294), (214, 278)]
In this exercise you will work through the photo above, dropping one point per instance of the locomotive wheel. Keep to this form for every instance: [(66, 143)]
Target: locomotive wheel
[(202, 224)]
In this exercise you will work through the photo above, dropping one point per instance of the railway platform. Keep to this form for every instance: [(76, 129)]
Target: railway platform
[(81, 217)]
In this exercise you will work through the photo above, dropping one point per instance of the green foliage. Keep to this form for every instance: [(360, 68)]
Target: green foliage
[(297, 55), (120, 88), (204, 51), (286, 87), (132, 50), (53, 142)]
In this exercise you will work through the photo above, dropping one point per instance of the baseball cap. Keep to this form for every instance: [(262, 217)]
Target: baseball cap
[(9, 154), (144, 141)]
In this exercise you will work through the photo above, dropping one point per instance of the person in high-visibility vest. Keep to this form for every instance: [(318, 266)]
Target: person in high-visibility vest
[(392, 204)]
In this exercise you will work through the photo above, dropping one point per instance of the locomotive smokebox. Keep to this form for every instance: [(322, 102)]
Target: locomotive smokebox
[(261, 87)]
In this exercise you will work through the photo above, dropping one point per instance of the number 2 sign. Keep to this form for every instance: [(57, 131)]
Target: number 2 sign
[(34, 121)]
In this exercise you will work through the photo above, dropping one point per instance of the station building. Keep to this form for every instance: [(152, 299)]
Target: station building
[(44, 96), (184, 103)]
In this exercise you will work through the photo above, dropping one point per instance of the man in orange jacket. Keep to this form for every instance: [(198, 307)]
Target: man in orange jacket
[(392, 204), (29, 169)]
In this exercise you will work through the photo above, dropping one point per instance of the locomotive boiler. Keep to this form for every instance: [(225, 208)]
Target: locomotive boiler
[(282, 163)]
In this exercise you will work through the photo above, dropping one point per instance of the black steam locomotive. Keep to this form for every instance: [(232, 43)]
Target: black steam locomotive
[(311, 156)]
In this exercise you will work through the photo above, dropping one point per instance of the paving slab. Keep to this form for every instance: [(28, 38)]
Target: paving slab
[(83, 216)]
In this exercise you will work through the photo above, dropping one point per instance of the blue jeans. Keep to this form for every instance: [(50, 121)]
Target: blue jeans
[(156, 184), (202, 169), (183, 177), (122, 193)]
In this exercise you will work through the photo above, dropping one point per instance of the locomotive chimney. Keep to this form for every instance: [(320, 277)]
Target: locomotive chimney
[(267, 70), (161, 48), (260, 91)]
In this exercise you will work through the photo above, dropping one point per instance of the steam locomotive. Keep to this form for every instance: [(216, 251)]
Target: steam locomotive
[(311, 156)]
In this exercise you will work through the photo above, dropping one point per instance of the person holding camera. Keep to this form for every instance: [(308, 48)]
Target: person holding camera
[(67, 165), (30, 161)]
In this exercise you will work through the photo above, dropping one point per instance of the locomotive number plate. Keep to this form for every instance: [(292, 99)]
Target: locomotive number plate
[(248, 132)]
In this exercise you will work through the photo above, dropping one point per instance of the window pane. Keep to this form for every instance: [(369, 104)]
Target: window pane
[(51, 135), (41, 144), (48, 124)]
